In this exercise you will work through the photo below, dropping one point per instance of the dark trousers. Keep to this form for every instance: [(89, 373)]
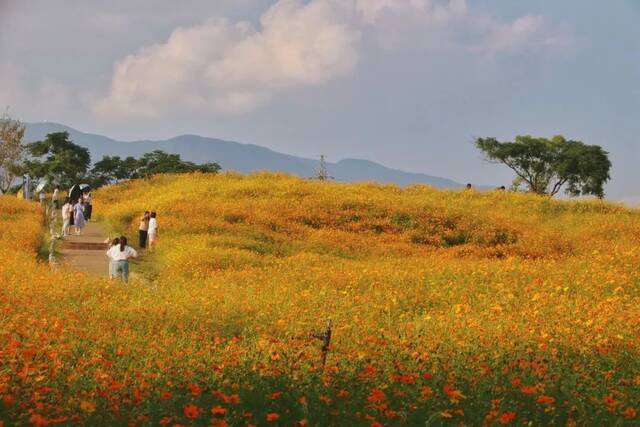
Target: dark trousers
[(143, 238)]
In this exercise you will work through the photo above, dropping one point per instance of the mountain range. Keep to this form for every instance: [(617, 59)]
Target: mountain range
[(234, 156)]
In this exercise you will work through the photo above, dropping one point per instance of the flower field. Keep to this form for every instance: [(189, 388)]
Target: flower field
[(447, 308)]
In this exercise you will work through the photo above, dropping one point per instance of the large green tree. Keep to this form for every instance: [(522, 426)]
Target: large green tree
[(111, 170), (546, 166), (158, 161), (57, 159), (11, 151)]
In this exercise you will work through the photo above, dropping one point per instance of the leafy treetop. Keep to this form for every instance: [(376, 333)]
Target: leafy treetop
[(545, 166)]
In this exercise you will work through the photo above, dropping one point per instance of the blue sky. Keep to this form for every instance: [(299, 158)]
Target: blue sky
[(408, 83)]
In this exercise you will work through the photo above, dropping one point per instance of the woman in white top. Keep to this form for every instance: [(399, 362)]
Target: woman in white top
[(153, 230), (120, 255), (67, 213)]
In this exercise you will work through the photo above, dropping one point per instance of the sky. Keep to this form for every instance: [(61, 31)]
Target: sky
[(407, 83)]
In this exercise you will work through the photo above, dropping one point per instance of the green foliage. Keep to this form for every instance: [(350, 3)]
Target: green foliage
[(11, 151), (160, 162), (111, 170), (58, 160), (545, 166)]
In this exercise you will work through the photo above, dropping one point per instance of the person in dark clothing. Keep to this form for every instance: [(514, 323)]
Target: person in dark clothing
[(143, 230)]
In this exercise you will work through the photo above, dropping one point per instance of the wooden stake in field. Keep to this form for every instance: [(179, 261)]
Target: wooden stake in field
[(325, 337)]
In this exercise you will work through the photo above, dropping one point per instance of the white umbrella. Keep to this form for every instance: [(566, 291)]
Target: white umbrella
[(41, 185)]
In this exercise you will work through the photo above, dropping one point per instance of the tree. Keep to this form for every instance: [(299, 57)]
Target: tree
[(58, 160), (111, 170), (545, 166), (11, 151), (160, 162)]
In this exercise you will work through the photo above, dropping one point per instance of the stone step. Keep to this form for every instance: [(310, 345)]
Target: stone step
[(85, 246)]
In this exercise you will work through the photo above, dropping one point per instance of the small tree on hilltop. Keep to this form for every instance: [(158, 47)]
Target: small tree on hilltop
[(545, 166), (11, 151), (58, 160)]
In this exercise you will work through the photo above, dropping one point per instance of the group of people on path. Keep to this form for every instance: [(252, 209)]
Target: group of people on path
[(76, 213), (120, 252)]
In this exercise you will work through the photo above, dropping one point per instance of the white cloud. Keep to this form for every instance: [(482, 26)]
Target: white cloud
[(221, 66)]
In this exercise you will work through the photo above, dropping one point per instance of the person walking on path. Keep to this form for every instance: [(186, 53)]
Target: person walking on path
[(67, 212), (112, 273), (78, 217), (88, 207), (153, 230), (54, 199), (120, 255), (143, 230)]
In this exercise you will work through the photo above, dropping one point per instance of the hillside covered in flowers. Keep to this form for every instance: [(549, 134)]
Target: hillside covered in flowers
[(447, 307)]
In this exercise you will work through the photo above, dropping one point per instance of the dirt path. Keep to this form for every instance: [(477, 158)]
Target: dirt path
[(87, 251)]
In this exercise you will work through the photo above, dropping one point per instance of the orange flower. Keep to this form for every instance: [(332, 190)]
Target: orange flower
[(165, 395), (453, 394), (8, 399), (529, 389), (218, 410), (234, 399), (425, 392), (375, 424), (343, 393), (38, 420), (303, 422), (507, 417), (275, 395), (191, 411), (546, 400), (629, 413), (376, 395), (272, 416), (87, 406), (195, 390)]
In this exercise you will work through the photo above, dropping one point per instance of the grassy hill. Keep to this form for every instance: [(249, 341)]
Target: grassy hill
[(448, 307)]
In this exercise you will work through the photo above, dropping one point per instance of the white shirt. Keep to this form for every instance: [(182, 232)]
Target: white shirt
[(153, 226), (66, 211), (115, 254)]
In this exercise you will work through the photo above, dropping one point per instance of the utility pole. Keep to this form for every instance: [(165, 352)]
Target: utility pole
[(322, 173)]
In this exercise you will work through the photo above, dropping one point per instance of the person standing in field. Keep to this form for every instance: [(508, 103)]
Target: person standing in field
[(153, 230), (120, 254), (78, 216), (143, 230), (88, 207), (112, 273), (67, 212)]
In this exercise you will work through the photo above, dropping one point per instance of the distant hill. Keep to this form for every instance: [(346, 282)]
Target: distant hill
[(238, 157)]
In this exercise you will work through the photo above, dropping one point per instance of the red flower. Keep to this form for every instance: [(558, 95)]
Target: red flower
[(218, 410), (629, 413), (272, 416), (195, 390), (546, 400), (507, 417), (191, 411), (376, 395), (529, 389), (343, 393)]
